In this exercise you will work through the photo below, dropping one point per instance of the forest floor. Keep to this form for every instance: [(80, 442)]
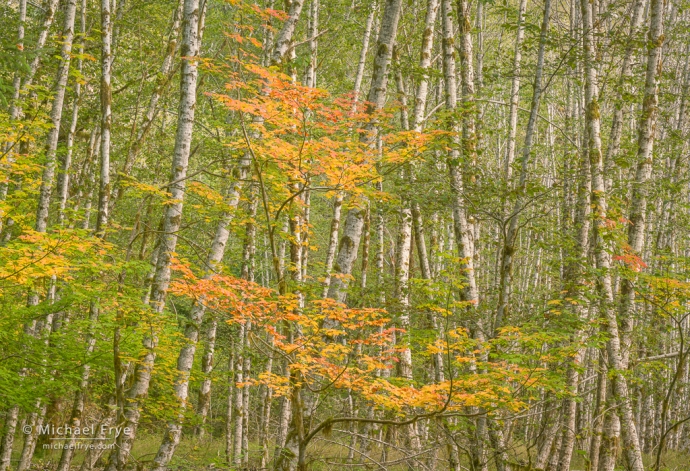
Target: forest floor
[(207, 454)]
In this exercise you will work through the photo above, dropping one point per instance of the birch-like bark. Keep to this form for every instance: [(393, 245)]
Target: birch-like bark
[(462, 228), (621, 89), (602, 255), (598, 418), (603, 448), (574, 287), (640, 188), (291, 413), (106, 115), (249, 249), (420, 241), (12, 415), (418, 123), (11, 419), (611, 432), (17, 81), (64, 177), (424, 64), (229, 432), (402, 289), (306, 215), (14, 114), (45, 192), (245, 401), (49, 10), (332, 241), (35, 421), (284, 38), (238, 400), (204, 401), (265, 419), (363, 55), (80, 396), (410, 213), (185, 359), (461, 160), (347, 254), (172, 219), (515, 90), (569, 411), (312, 33), (56, 118), (354, 222)]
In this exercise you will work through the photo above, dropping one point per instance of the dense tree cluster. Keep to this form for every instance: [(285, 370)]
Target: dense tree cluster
[(344, 234)]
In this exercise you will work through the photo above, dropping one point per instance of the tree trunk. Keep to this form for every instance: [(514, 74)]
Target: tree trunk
[(640, 190), (598, 419), (204, 401), (106, 114), (11, 419), (621, 89), (56, 118), (515, 91), (43, 327), (284, 38), (131, 412), (238, 401), (313, 31), (354, 222), (363, 55), (602, 255), (185, 359), (64, 179)]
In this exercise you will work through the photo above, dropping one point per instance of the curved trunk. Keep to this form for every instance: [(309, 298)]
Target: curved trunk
[(640, 188)]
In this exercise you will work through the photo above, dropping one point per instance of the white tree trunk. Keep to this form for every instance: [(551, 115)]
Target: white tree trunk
[(106, 114), (284, 38), (462, 229), (80, 396), (312, 33), (204, 401), (56, 118), (332, 240), (354, 222), (185, 359), (602, 255), (645, 147), (510, 239), (64, 177), (363, 55), (515, 90), (172, 219)]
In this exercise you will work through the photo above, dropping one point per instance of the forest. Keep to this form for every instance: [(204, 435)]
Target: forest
[(321, 235)]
